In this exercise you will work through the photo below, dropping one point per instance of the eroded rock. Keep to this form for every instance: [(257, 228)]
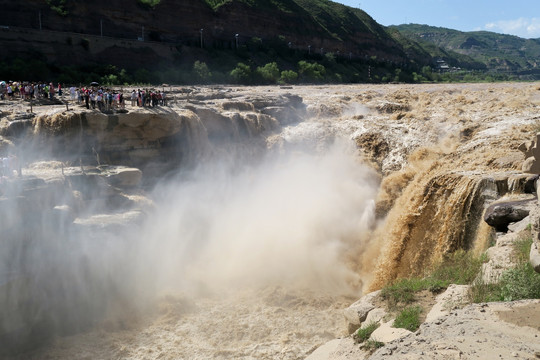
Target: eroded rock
[(357, 312), (501, 214)]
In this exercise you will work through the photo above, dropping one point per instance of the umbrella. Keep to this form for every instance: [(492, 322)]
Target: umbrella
[(93, 83), (2, 83)]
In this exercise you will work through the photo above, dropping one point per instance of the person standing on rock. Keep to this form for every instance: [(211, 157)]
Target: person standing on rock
[(93, 99), (86, 98), (133, 98), (72, 93)]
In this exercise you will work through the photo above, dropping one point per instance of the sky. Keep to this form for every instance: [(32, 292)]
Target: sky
[(514, 17)]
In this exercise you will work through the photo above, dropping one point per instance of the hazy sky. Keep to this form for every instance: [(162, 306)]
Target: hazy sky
[(515, 17)]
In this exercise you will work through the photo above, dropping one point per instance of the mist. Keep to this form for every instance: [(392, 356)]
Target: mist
[(290, 218), (287, 220)]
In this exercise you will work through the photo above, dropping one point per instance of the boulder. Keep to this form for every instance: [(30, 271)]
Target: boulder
[(386, 333), (357, 312), (339, 349), (500, 258), (531, 150), (123, 176), (500, 215), (520, 225), (374, 316), (534, 256), (455, 295), (531, 166)]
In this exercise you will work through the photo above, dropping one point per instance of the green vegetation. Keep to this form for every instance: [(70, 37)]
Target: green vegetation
[(477, 50), (269, 73), (372, 345), (288, 77), (404, 54), (520, 282), (409, 318), (460, 267), (242, 74), (276, 60), (149, 3), (58, 6), (201, 72), (363, 334)]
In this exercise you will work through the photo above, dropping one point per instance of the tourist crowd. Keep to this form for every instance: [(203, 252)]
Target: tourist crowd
[(94, 96), (28, 90)]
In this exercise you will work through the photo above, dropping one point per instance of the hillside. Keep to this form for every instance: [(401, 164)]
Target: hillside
[(170, 35), (242, 41), (497, 52), (298, 23)]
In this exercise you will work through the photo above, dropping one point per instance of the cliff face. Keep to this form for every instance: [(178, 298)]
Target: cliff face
[(298, 23)]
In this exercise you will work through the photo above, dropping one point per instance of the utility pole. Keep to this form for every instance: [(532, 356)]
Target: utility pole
[(40, 20), (236, 40), (201, 37), (101, 26), (309, 49), (142, 33)]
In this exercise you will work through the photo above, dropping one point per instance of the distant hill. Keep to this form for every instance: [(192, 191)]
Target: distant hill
[(497, 52)]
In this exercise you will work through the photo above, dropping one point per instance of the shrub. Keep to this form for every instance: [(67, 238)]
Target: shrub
[(288, 77), (242, 73), (521, 249), (201, 71), (461, 268), (110, 79), (149, 3), (142, 76), (521, 282), (85, 43), (402, 291), (408, 318), (311, 71), (363, 334), (269, 73), (481, 292), (58, 6)]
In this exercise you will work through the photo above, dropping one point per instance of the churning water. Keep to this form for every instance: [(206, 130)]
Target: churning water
[(252, 252)]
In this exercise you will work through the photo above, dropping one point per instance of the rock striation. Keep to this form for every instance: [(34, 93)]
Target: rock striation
[(531, 165)]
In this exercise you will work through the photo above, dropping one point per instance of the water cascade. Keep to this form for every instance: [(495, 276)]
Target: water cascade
[(260, 217)]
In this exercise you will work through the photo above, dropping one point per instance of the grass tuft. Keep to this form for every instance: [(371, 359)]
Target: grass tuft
[(372, 345), (460, 268), (363, 334), (408, 318), (520, 282)]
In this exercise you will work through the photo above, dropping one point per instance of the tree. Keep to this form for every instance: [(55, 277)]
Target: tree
[(242, 73), (201, 72), (288, 77), (311, 71), (142, 76), (269, 73)]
